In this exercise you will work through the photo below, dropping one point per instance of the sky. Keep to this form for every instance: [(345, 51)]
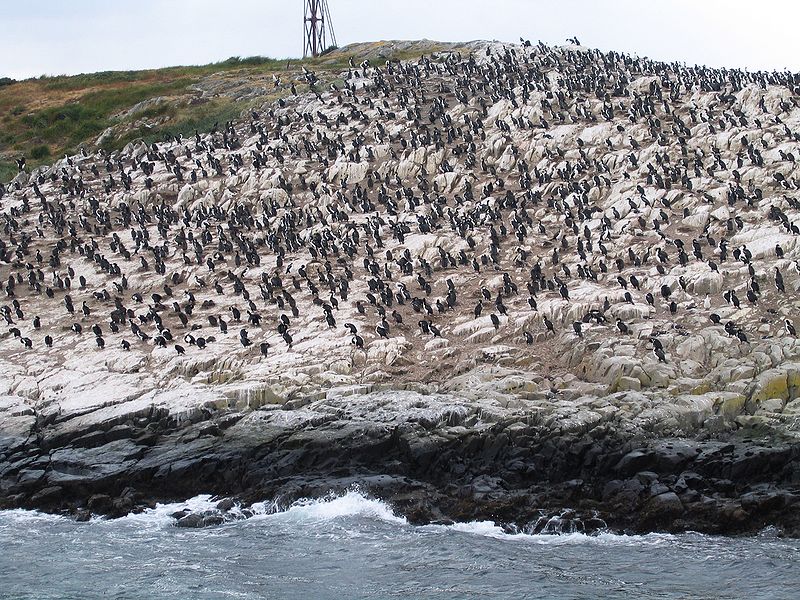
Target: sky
[(56, 37)]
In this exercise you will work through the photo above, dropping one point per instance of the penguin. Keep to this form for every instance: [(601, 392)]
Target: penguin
[(779, 281), (660, 355), (789, 327), (576, 327), (548, 325), (623, 328), (658, 350)]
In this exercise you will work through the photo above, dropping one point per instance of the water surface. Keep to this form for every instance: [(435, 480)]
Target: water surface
[(355, 547)]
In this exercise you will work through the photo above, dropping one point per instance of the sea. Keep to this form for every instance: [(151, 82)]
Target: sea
[(351, 546)]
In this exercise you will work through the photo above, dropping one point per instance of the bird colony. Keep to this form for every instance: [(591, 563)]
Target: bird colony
[(542, 224)]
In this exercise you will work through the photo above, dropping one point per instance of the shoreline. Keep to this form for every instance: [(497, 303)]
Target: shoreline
[(519, 475)]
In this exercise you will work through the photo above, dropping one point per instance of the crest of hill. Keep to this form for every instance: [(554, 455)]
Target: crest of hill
[(46, 117)]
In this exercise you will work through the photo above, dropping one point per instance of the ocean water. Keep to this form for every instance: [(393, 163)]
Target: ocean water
[(355, 547)]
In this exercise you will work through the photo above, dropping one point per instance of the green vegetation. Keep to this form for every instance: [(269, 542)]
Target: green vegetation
[(184, 121), (7, 171), (106, 78), (71, 124), (40, 152), (50, 116), (47, 117)]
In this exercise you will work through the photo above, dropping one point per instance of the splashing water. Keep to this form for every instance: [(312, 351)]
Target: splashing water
[(351, 546)]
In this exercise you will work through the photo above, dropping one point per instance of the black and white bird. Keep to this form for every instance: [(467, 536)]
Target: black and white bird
[(789, 327), (658, 350), (622, 327), (576, 327)]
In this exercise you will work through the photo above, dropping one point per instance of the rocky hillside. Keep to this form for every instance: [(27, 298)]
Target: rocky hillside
[(49, 116), (559, 257)]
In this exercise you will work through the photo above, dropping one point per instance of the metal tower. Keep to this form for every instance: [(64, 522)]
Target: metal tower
[(316, 25)]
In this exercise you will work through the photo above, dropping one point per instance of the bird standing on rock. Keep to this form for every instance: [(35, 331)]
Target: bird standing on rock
[(789, 326)]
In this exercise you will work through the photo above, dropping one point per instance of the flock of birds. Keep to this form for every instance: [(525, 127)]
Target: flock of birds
[(98, 244)]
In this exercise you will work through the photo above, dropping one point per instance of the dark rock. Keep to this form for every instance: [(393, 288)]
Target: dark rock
[(510, 475), (46, 496), (193, 520), (212, 520), (660, 510), (633, 462), (226, 504), (763, 500), (99, 502), (657, 489)]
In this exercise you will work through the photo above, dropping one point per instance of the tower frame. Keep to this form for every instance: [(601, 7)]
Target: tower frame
[(317, 28)]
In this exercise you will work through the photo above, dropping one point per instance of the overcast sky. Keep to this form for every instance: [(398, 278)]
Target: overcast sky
[(77, 36)]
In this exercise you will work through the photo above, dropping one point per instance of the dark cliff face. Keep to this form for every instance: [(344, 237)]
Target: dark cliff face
[(527, 478), (558, 259)]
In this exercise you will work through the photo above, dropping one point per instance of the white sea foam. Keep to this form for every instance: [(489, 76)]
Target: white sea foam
[(350, 504), (162, 513), (19, 515), (303, 511), (490, 529), (314, 512)]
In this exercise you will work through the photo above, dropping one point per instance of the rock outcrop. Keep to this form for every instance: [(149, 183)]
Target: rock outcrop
[(571, 277)]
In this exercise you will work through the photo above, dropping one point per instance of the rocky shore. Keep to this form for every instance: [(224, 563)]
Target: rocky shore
[(543, 277), (433, 457)]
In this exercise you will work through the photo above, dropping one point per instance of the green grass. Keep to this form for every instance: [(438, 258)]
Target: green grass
[(85, 80), (7, 171), (185, 121), (60, 129), (40, 152), (49, 116), (77, 122), (105, 78), (204, 116)]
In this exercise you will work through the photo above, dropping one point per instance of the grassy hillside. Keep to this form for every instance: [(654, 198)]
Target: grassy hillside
[(47, 117)]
